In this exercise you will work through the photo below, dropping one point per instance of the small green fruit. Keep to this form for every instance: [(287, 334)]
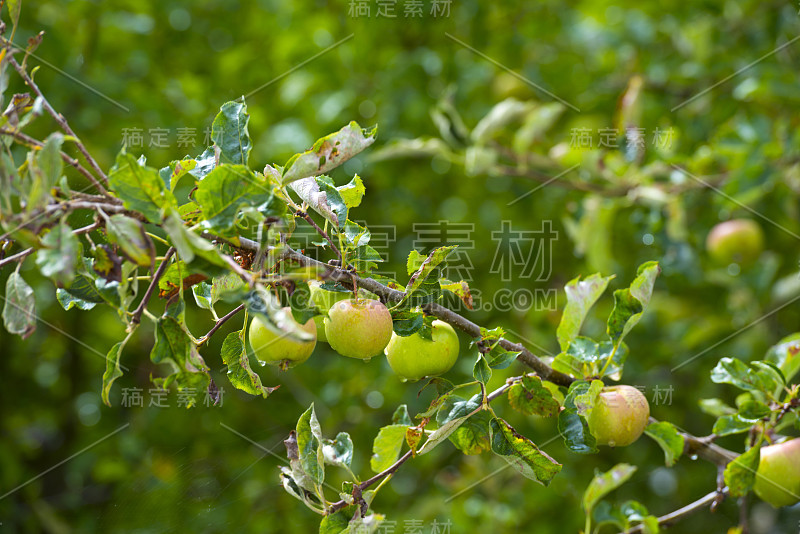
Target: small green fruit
[(619, 416), (358, 328), (735, 241), (413, 357), (778, 475), (319, 322), (279, 349)]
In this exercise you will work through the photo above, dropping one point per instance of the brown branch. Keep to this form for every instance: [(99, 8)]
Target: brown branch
[(677, 515), (30, 141), (219, 324), (137, 314), (323, 233), (62, 122)]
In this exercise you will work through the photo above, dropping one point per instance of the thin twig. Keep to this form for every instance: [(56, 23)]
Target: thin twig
[(666, 520), (305, 216), (30, 141), (137, 314), (62, 122), (219, 323)]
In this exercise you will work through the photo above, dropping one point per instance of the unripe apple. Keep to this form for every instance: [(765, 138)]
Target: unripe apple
[(778, 475), (619, 416), (413, 357), (358, 328), (735, 241), (280, 349)]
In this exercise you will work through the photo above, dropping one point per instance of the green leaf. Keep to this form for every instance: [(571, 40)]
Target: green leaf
[(229, 133), (574, 428), (429, 290), (202, 295), (581, 296), (174, 348), (337, 522), (140, 188), (629, 304), (328, 153), (338, 451), (522, 454), (132, 239), (481, 370), (585, 400), (786, 355), (193, 249), (323, 197), (59, 256), (531, 397), (353, 192), (473, 436), (19, 307), (309, 444), (668, 438), (87, 291), (226, 190), (113, 369), (740, 474), (735, 372), (386, 447), (400, 416), (460, 412), (240, 374), (69, 301), (14, 7), (604, 483), (730, 424), (176, 170), (715, 407), (586, 358), (45, 167), (407, 322)]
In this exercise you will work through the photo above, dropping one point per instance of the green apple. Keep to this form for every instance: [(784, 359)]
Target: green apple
[(358, 328), (735, 241), (413, 357), (280, 349), (778, 475), (619, 416)]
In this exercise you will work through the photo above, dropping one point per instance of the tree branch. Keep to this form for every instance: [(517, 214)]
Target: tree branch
[(677, 515), (219, 323), (137, 314), (323, 233)]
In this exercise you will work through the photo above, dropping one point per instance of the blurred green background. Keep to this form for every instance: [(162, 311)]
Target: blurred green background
[(172, 64)]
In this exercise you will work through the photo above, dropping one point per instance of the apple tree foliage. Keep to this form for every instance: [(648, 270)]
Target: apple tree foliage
[(227, 242)]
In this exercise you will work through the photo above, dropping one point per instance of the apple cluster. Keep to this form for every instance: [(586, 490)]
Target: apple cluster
[(359, 328)]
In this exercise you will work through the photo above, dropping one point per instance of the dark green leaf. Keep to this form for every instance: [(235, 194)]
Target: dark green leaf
[(531, 397), (740, 474), (522, 454), (473, 436), (229, 133), (574, 428), (113, 369), (140, 188), (481, 370), (240, 373)]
